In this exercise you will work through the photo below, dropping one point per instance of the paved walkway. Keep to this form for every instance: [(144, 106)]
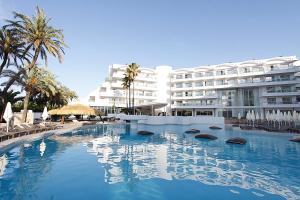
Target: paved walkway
[(14, 141)]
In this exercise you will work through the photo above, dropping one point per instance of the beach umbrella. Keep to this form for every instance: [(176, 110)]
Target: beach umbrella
[(248, 117), (262, 116), (257, 116), (252, 116), (278, 117), (273, 116), (45, 114), (268, 117), (295, 117), (289, 117), (3, 163), (8, 114), (239, 116), (42, 148)]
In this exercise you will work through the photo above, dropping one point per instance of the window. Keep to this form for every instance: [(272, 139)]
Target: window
[(188, 85), (270, 89), (286, 89), (221, 72), (271, 100), (178, 85), (248, 97), (284, 77), (209, 73), (199, 74), (209, 83), (287, 100), (178, 76), (199, 84), (209, 92), (178, 94), (92, 99), (188, 94), (204, 112), (270, 78), (188, 76), (198, 93)]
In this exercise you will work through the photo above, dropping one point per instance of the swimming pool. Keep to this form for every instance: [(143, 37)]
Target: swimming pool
[(113, 162)]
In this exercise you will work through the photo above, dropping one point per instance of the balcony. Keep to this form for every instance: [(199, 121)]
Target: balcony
[(292, 92), (281, 104)]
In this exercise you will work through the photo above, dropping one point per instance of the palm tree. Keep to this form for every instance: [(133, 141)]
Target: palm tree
[(11, 48), (40, 38), (133, 71)]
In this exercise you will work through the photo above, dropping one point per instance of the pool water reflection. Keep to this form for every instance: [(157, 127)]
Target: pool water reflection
[(113, 162)]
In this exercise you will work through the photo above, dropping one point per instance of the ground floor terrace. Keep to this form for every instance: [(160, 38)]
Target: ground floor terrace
[(228, 112)]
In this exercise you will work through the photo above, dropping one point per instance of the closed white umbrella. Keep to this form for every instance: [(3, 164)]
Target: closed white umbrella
[(239, 117), (253, 116), (257, 117), (248, 117), (45, 114), (278, 117), (295, 117), (289, 117), (262, 116), (8, 114)]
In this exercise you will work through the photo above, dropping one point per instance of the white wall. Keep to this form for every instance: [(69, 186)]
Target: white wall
[(184, 120)]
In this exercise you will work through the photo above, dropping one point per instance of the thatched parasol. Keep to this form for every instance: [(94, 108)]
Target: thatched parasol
[(76, 109)]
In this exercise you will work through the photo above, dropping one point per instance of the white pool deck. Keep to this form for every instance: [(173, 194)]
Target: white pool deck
[(181, 120)]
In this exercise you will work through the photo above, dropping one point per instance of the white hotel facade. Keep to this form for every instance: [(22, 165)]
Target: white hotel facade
[(220, 90)]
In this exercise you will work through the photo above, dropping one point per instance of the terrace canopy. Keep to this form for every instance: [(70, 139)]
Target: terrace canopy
[(76, 109), (150, 108)]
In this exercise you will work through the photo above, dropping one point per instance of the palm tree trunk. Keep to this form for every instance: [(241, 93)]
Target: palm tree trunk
[(129, 96), (25, 109), (5, 58), (133, 98), (126, 98)]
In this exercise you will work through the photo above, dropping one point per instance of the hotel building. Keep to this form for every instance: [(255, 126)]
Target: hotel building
[(220, 90)]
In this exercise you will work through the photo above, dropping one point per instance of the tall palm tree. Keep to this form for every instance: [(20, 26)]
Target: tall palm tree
[(40, 38), (11, 48), (133, 71)]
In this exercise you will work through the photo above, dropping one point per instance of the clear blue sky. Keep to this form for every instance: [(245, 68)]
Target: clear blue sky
[(157, 32)]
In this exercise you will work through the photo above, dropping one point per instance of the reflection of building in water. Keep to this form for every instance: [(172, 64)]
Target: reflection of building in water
[(178, 159), (3, 163)]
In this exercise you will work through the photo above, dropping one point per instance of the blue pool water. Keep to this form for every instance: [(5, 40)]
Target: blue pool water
[(113, 162)]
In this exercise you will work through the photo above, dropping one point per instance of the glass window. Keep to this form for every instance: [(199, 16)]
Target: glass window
[(271, 100), (209, 83), (92, 99), (284, 77), (178, 85), (188, 94), (248, 97), (188, 76), (209, 73), (188, 85), (178, 76), (270, 89), (287, 100), (198, 74), (199, 93), (199, 84), (286, 88)]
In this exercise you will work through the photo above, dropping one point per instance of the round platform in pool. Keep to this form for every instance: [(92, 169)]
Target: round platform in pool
[(114, 162)]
